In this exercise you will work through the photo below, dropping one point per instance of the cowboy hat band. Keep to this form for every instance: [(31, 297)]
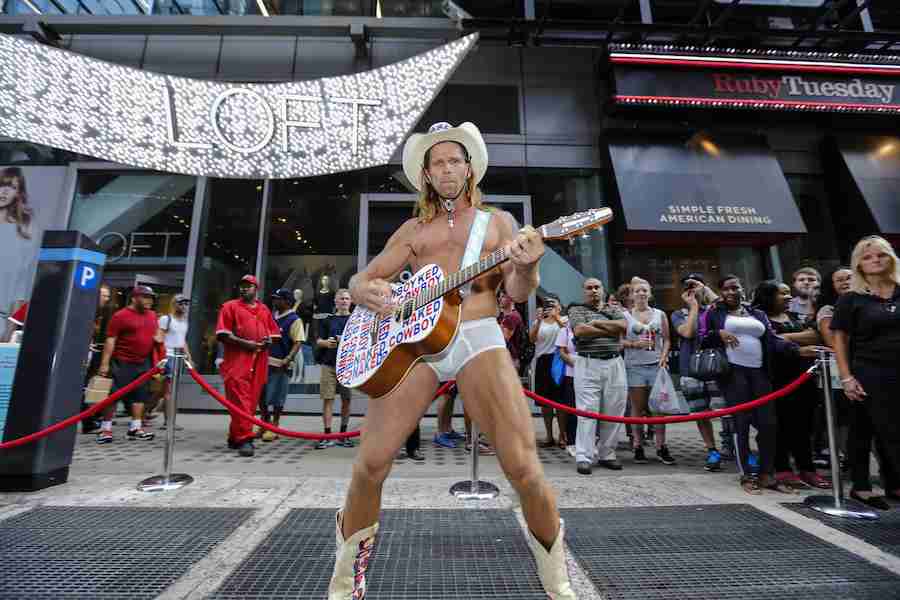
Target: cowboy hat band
[(466, 135)]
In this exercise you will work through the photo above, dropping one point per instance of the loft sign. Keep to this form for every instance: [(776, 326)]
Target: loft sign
[(263, 113), (163, 122)]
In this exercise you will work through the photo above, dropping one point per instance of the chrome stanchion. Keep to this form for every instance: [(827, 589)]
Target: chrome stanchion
[(168, 480), (835, 505), (475, 489)]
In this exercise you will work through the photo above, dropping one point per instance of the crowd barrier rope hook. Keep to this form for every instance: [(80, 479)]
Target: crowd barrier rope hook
[(75, 419), (168, 480), (475, 488), (835, 505)]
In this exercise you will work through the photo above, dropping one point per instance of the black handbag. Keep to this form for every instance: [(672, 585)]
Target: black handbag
[(708, 364)]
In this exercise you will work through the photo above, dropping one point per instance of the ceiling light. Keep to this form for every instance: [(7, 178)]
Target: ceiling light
[(886, 148)]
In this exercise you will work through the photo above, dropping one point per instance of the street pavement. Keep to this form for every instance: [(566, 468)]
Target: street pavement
[(289, 473)]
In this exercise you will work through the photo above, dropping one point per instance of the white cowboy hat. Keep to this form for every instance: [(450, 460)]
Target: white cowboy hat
[(419, 143)]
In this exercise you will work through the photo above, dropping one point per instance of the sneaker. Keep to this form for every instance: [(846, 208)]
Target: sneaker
[(662, 453), (713, 461), (455, 435), (417, 456), (639, 457), (88, 427), (444, 440), (571, 451), (105, 437), (140, 434), (584, 468), (324, 444), (269, 436), (346, 443), (247, 449)]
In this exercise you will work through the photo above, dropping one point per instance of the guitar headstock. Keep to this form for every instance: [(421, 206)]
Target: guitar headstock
[(570, 226)]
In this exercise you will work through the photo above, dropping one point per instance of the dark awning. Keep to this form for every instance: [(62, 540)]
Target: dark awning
[(874, 166), (670, 188)]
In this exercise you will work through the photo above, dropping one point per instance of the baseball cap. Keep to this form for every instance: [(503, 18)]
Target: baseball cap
[(182, 299), (284, 294), (250, 279), (143, 290), (694, 276)]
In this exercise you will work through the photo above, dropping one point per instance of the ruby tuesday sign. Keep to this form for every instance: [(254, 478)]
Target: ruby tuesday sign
[(661, 77)]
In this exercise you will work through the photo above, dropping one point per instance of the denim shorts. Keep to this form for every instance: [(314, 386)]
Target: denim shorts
[(701, 395), (641, 375), (276, 389)]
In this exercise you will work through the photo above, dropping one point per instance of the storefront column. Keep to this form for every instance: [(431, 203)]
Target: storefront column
[(262, 248), (775, 263), (194, 236)]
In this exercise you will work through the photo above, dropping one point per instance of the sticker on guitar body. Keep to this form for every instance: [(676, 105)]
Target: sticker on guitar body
[(361, 354)]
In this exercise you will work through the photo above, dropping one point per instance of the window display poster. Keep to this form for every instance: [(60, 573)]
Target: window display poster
[(30, 203), (9, 354)]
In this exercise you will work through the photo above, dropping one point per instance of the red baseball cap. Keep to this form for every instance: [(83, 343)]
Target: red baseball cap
[(143, 290), (250, 279)]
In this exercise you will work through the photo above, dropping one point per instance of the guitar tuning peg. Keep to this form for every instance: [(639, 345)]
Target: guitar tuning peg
[(585, 236)]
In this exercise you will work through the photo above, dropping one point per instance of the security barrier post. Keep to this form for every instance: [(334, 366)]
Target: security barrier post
[(475, 489), (835, 505), (168, 480)]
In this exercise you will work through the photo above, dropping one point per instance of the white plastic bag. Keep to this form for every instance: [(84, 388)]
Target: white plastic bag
[(664, 400)]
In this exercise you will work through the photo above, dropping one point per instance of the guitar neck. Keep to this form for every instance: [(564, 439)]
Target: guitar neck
[(463, 276)]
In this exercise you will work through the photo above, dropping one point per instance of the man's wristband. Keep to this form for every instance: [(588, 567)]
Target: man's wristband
[(846, 379)]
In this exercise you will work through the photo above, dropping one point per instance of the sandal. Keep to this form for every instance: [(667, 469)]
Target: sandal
[(562, 444), (781, 487), (815, 480), (548, 443), (751, 486), (791, 480)]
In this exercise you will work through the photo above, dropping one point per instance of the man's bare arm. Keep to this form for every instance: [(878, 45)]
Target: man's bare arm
[(520, 280), (601, 329), (370, 287)]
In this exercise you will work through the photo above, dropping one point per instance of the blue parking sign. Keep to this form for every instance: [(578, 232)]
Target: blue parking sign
[(86, 276)]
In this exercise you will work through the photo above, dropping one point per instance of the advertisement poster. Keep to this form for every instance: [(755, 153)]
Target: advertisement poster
[(30, 203), (9, 354)]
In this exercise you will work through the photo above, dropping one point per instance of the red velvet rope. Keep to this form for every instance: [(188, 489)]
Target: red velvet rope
[(82, 415), (303, 435), (698, 416)]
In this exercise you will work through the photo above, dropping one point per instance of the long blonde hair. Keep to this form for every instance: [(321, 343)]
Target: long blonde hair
[(429, 203), (19, 213), (859, 284)]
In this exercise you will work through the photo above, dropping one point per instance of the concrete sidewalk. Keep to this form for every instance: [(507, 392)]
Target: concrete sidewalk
[(288, 474)]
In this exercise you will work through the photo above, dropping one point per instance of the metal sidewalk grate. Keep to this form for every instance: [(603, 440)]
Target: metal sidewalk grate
[(419, 555), (883, 533), (106, 552), (715, 552)]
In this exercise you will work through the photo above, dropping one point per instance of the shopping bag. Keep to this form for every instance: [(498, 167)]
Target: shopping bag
[(664, 400), (558, 368), (97, 389)]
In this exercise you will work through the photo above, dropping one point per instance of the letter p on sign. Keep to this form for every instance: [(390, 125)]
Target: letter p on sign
[(85, 276)]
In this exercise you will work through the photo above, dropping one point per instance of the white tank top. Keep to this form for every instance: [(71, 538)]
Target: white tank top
[(545, 342), (748, 331), (651, 340)]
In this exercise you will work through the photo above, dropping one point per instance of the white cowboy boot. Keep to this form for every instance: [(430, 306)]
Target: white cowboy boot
[(348, 581), (552, 566)]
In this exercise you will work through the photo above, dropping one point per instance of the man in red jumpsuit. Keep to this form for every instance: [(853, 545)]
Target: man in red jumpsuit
[(245, 328)]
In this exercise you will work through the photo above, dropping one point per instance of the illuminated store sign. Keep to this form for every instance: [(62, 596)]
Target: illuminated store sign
[(162, 122), (756, 79)]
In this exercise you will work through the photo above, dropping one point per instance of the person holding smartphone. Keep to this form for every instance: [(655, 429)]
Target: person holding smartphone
[(543, 333)]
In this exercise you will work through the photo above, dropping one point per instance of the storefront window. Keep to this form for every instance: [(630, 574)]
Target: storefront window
[(664, 266), (312, 250), (228, 249), (142, 221)]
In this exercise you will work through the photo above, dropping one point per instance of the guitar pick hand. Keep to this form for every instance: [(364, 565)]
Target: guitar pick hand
[(375, 295), (527, 248)]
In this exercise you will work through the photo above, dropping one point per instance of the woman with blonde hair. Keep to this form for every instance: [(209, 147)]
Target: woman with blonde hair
[(19, 244), (866, 335)]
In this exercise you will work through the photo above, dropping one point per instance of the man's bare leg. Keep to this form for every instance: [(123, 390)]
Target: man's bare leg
[(492, 392), (327, 409), (389, 421)]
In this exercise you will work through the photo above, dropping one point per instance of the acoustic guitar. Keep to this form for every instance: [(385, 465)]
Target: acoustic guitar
[(376, 352)]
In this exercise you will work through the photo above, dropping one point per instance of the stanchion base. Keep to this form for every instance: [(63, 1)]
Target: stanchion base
[(850, 509), (159, 483), (463, 490)]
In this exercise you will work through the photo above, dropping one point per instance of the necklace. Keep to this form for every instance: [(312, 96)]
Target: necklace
[(450, 207)]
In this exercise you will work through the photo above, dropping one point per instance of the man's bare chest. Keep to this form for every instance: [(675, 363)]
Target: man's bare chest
[(437, 243)]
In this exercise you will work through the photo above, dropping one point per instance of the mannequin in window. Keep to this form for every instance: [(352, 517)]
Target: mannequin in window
[(304, 357), (323, 297)]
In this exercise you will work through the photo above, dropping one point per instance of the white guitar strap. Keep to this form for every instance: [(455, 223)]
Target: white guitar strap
[(477, 233)]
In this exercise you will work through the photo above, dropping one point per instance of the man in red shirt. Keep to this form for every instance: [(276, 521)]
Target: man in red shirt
[(130, 337), (245, 328), (15, 321)]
